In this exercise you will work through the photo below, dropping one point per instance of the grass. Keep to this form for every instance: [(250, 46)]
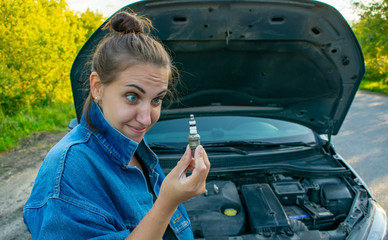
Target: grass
[(372, 86), (52, 118)]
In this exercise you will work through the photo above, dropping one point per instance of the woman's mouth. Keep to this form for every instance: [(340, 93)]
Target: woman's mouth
[(138, 130)]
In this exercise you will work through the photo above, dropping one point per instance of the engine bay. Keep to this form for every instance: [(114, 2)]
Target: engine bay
[(277, 206)]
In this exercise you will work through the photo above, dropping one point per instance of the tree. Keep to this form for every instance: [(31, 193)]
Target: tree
[(372, 33), (39, 41)]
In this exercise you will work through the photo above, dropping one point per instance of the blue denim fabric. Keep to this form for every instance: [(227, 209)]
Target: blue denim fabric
[(85, 190)]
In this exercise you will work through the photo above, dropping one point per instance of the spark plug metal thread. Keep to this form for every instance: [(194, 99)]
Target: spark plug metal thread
[(194, 138)]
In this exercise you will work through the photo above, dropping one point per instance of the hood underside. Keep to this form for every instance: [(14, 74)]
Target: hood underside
[(292, 60)]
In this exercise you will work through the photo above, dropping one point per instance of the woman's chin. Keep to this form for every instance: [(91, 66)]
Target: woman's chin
[(135, 137)]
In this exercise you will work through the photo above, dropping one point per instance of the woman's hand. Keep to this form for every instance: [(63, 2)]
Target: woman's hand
[(177, 187)]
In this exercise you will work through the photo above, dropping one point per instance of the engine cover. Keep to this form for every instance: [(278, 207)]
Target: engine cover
[(266, 214), (220, 204)]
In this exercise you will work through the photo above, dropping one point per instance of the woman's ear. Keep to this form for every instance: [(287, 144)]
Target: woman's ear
[(95, 86)]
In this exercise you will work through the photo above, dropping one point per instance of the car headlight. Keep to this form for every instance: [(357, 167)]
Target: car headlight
[(373, 227)]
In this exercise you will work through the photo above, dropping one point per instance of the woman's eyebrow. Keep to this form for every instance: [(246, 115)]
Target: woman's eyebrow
[(142, 90), (161, 92), (135, 86)]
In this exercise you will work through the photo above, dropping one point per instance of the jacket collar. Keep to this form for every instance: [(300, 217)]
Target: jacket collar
[(116, 143)]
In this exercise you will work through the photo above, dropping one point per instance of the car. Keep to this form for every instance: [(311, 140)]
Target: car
[(269, 82)]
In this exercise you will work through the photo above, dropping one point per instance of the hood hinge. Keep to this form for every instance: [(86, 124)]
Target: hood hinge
[(329, 134)]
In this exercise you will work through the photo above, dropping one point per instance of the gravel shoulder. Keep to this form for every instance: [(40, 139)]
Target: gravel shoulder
[(18, 169)]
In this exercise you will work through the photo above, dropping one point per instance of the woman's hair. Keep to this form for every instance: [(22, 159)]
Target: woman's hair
[(127, 44)]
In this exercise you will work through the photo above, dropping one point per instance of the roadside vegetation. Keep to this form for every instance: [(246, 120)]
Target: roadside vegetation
[(39, 40), (372, 32)]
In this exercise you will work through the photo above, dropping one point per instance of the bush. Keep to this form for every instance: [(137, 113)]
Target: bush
[(372, 31), (39, 41)]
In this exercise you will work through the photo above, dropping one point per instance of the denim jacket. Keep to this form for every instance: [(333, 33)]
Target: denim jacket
[(86, 190)]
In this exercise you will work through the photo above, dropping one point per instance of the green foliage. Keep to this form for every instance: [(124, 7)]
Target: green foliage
[(372, 33), (39, 40), (374, 86), (54, 118)]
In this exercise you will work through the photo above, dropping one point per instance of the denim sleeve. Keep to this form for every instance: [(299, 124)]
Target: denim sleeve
[(58, 219)]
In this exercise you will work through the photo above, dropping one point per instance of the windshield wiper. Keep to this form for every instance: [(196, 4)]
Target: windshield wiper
[(164, 147), (231, 146), (158, 147), (258, 144), (225, 149)]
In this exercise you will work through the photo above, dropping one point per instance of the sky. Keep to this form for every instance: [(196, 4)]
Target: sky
[(108, 7)]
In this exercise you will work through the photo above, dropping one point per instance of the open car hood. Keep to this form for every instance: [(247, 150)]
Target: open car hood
[(286, 59)]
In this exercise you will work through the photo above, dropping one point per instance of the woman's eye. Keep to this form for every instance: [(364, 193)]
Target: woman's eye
[(157, 100), (132, 97)]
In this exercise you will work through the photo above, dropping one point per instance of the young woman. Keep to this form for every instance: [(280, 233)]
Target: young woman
[(102, 181)]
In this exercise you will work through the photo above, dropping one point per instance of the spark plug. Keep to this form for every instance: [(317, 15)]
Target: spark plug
[(194, 136)]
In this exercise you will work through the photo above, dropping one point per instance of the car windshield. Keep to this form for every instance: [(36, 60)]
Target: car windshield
[(222, 129)]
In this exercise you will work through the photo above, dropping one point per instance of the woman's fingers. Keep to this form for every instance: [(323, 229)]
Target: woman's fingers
[(177, 186), (197, 179), (204, 157), (182, 164)]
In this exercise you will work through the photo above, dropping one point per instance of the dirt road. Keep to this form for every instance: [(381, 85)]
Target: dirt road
[(18, 169)]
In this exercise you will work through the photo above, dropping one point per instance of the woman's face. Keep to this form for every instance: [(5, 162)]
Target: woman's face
[(132, 102)]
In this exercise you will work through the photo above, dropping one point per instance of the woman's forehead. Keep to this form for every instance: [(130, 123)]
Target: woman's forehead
[(144, 75)]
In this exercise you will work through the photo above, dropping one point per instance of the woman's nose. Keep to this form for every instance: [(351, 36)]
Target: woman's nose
[(143, 115)]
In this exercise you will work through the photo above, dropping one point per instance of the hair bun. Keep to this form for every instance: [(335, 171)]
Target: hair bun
[(124, 22)]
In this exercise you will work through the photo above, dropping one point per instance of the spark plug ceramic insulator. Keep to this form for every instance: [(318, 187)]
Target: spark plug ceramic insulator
[(193, 136)]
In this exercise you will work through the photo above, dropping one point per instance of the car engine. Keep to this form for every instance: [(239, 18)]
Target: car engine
[(277, 207)]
